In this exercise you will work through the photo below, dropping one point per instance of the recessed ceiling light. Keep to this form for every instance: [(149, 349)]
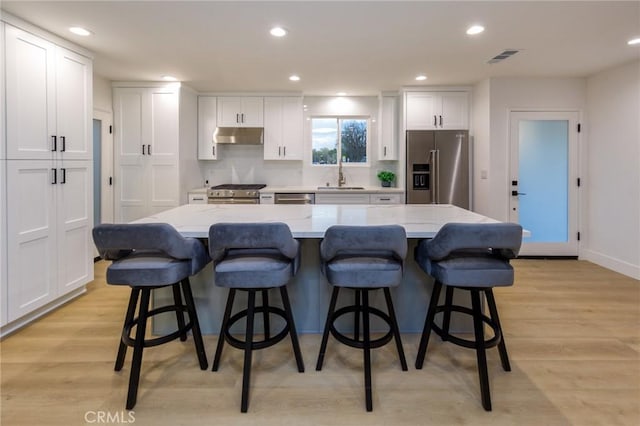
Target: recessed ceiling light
[(294, 78), (169, 78), (475, 29), (634, 41), (421, 77), (80, 31), (341, 94), (278, 32)]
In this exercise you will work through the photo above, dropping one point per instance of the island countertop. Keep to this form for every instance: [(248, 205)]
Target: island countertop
[(312, 220)]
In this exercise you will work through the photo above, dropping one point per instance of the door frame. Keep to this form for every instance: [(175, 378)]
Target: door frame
[(572, 247), (107, 212)]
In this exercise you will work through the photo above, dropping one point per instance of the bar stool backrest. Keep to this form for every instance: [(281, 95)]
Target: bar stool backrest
[(343, 239), (500, 239), (270, 235)]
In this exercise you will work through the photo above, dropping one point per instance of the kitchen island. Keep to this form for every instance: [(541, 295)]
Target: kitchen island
[(308, 290)]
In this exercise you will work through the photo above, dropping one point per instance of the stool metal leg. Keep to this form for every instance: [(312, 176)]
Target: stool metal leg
[(327, 325), (131, 310), (265, 314), (366, 346), (248, 346), (177, 301), (428, 322), (502, 347), (481, 355), (395, 329), (292, 328), (223, 327), (141, 327), (446, 319), (356, 317), (195, 324)]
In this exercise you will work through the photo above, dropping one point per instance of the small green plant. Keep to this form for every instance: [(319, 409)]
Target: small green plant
[(386, 176)]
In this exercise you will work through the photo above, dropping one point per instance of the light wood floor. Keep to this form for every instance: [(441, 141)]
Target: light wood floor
[(572, 330)]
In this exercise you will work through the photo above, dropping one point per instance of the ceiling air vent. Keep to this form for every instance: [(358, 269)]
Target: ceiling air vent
[(502, 56)]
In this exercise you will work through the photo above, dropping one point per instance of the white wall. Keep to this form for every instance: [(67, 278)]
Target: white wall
[(481, 147), (507, 94), (102, 94), (613, 170), (245, 163)]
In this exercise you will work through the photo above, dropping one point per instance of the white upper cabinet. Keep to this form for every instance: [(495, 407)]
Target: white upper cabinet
[(48, 99), (437, 110), (240, 111), (207, 123), (283, 128), (388, 122)]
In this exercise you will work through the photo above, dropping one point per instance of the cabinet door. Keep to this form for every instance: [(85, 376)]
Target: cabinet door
[(229, 110), (197, 198), (380, 198), (422, 110), (273, 132), (130, 147), (74, 223), (388, 129), (30, 91), (3, 243), (162, 179), (74, 105), (455, 110), (342, 198), (292, 123), (252, 113), (207, 123), (31, 236)]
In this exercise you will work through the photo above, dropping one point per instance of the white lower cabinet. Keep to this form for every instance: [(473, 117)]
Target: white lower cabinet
[(392, 198), (197, 198), (49, 221), (377, 198)]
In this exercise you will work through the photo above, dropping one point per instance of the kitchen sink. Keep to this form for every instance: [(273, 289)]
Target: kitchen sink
[(341, 187)]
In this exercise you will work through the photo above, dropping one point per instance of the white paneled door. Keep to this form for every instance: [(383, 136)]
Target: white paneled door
[(544, 181)]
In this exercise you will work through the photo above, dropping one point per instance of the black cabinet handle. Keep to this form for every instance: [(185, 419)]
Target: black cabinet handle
[(279, 153), (237, 118), (110, 180), (213, 150), (284, 151), (64, 175), (64, 143), (55, 143), (385, 151), (142, 149), (148, 149), (54, 176), (440, 121), (435, 121)]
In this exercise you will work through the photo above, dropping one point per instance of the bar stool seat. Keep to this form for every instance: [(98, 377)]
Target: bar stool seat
[(254, 257), (475, 258), (146, 257), (364, 259)]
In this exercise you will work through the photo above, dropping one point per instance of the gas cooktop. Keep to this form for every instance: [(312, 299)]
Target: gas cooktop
[(240, 186)]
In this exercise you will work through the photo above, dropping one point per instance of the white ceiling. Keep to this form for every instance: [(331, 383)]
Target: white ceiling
[(359, 47)]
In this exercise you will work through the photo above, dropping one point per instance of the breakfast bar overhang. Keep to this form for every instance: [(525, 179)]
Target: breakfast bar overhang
[(308, 290)]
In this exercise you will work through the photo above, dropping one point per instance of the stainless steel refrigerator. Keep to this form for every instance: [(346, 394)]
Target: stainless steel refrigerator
[(438, 167)]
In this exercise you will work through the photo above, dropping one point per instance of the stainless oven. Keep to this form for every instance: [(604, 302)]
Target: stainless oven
[(234, 194)]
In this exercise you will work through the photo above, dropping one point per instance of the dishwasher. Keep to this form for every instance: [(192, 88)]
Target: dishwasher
[(294, 198)]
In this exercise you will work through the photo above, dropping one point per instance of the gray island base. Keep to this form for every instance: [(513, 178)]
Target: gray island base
[(308, 290)]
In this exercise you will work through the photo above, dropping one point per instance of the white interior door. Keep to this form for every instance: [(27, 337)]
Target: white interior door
[(106, 165), (544, 180)]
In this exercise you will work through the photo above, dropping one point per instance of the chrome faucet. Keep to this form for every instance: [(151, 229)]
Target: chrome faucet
[(341, 179)]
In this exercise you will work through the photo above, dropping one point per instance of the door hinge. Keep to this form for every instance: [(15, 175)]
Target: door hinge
[(579, 127), (578, 235), (578, 181), (110, 130)]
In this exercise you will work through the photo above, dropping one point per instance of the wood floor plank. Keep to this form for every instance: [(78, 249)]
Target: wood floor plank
[(572, 331)]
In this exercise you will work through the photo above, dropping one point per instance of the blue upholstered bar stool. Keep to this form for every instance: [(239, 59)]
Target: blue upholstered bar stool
[(254, 257), (146, 257), (363, 258), (472, 257)]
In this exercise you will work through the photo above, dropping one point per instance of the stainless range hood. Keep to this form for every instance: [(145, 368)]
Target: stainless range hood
[(238, 135)]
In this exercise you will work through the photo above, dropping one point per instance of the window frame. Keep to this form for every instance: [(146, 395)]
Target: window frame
[(340, 118)]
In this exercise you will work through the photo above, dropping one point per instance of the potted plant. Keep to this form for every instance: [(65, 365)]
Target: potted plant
[(386, 177)]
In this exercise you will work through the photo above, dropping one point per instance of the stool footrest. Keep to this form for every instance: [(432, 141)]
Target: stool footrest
[(357, 343), (471, 344), (260, 344), (147, 343)]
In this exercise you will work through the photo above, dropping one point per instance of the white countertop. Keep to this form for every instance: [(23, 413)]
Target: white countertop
[(314, 189), (312, 220)]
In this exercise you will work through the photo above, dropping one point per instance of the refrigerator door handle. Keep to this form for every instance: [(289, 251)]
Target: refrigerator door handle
[(437, 174), (434, 176)]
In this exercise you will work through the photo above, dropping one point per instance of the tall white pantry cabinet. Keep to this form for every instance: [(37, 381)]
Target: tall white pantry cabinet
[(155, 148), (47, 185)]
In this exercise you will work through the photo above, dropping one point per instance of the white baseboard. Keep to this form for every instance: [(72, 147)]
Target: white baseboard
[(609, 262), (29, 318)]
